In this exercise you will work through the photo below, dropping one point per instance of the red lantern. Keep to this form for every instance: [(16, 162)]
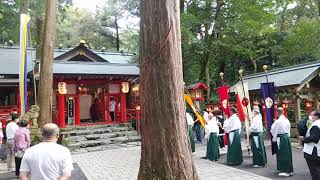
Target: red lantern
[(245, 101)]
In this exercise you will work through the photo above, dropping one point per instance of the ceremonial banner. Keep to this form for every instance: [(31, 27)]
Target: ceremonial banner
[(224, 99), (188, 99), (241, 114), (243, 95), (268, 92), (24, 23)]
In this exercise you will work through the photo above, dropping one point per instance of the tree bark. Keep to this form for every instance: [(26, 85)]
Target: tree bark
[(24, 6), (254, 63), (47, 45), (165, 149), (38, 24), (207, 75), (117, 34)]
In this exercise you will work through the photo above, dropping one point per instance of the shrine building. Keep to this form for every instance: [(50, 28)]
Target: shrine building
[(95, 82)]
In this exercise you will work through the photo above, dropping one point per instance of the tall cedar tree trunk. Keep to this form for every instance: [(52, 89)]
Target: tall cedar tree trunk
[(47, 49), (24, 5), (165, 150), (38, 25), (207, 76), (117, 34)]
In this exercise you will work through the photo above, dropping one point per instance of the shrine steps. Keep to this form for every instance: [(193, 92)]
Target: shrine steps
[(80, 139)]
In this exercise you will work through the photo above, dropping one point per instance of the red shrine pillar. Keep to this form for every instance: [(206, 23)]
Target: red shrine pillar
[(18, 100), (123, 108), (107, 102), (62, 121), (77, 110)]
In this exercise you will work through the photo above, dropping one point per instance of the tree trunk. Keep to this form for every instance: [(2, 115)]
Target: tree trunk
[(165, 149), (207, 75), (38, 25), (24, 6), (47, 45), (182, 6), (254, 63), (117, 34)]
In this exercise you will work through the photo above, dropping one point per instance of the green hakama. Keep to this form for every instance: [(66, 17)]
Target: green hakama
[(234, 154), (284, 154), (213, 153), (191, 139), (258, 149)]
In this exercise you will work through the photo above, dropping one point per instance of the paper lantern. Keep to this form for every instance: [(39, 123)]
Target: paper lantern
[(125, 87), (62, 87)]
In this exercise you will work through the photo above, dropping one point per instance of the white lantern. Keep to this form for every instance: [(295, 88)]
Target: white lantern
[(62, 87), (125, 87)]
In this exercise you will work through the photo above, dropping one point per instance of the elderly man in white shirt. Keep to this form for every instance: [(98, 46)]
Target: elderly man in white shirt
[(257, 144), (233, 127), (280, 131), (47, 160), (190, 123), (11, 129)]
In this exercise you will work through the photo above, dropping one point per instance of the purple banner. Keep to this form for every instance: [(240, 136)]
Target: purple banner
[(268, 91)]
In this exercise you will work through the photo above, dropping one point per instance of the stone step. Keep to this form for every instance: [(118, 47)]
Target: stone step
[(101, 142), (84, 132), (102, 126), (100, 136), (105, 147)]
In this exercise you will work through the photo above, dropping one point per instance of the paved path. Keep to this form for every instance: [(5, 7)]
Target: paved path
[(300, 168), (123, 164)]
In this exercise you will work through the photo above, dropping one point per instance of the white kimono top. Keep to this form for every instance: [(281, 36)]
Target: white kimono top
[(231, 124), (211, 127), (189, 119), (280, 126), (206, 116), (256, 124)]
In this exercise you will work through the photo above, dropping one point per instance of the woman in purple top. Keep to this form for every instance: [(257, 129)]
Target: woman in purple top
[(22, 142)]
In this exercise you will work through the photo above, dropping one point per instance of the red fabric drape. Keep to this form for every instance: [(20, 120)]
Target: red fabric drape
[(241, 114), (224, 99)]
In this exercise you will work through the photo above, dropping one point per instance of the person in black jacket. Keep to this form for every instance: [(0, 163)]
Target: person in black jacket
[(311, 147), (221, 131)]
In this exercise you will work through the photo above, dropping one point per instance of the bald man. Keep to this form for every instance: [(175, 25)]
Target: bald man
[(47, 160)]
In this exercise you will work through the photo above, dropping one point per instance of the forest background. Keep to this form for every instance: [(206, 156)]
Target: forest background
[(217, 35)]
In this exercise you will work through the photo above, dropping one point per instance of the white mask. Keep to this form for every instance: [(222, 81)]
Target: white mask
[(310, 118)]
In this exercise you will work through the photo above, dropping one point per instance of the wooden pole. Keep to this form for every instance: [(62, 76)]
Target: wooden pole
[(46, 71)]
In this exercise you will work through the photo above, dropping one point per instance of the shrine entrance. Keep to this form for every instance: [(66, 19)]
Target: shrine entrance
[(115, 104)]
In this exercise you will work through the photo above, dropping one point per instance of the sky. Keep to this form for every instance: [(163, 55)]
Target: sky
[(91, 5), (88, 4)]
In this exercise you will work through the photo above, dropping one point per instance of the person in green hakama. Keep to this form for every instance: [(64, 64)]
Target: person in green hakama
[(190, 123), (257, 144), (212, 130), (280, 131), (233, 126)]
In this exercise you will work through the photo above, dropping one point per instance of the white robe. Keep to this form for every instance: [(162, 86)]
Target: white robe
[(280, 126), (206, 116), (256, 124), (231, 124), (189, 119), (211, 127)]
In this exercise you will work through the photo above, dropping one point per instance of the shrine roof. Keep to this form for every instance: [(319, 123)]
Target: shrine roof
[(9, 58), (95, 68), (296, 75), (198, 85)]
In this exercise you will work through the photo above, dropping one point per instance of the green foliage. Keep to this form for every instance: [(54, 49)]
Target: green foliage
[(302, 43), (244, 34)]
